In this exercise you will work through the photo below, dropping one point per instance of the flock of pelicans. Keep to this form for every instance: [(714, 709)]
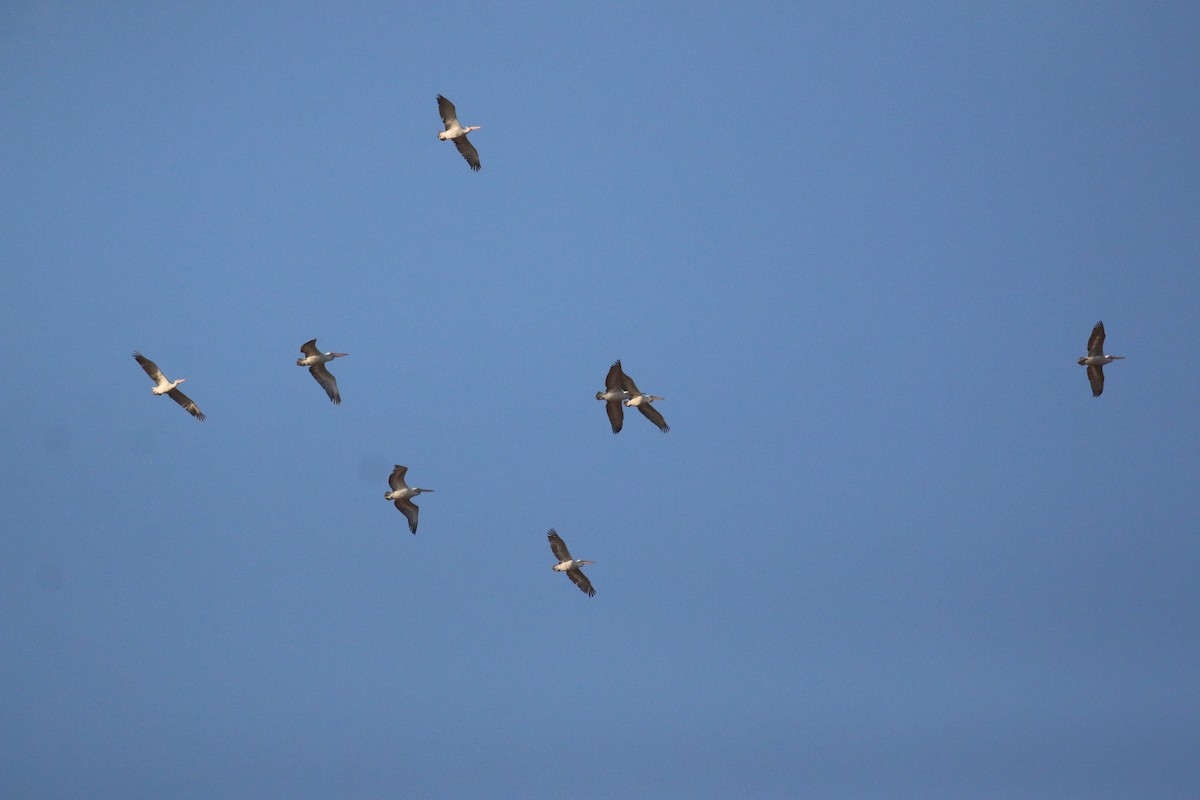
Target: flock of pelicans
[(620, 392)]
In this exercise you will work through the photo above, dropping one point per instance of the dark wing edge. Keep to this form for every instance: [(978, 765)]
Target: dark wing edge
[(1096, 340), (148, 366), (1096, 378), (651, 413), (396, 479), (613, 379), (616, 415), (410, 511), (327, 381), (186, 402), (447, 112), (468, 152), (558, 546), (579, 579)]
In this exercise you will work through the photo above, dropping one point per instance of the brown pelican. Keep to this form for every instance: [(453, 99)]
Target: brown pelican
[(620, 389), (315, 360), (401, 493), (457, 132), (164, 386), (1095, 359), (569, 565)]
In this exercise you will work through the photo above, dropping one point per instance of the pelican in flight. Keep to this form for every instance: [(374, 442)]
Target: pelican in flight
[(457, 132), (401, 493), (1096, 359), (569, 565), (620, 389), (164, 386), (315, 360)]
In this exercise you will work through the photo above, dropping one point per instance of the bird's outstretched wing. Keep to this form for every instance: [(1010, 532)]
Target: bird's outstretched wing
[(558, 546), (616, 414), (1096, 377), (327, 381), (448, 114), (1096, 340), (396, 479), (615, 377), (651, 413), (149, 366), (186, 402), (579, 579), (309, 348), (409, 509), (468, 151)]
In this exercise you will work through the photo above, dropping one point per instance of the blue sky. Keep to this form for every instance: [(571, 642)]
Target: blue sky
[(891, 547)]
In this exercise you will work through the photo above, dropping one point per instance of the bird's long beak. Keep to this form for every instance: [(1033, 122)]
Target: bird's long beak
[(339, 355)]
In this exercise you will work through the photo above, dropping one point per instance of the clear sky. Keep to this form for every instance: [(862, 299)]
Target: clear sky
[(891, 547)]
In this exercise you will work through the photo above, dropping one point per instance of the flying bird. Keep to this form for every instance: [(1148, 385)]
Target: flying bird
[(619, 389), (401, 493), (569, 565), (164, 386), (315, 360), (457, 132), (1096, 359)]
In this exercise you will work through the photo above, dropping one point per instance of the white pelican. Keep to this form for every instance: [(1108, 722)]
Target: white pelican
[(620, 389), (569, 565), (315, 360), (457, 132), (1096, 359), (164, 386), (401, 493)]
